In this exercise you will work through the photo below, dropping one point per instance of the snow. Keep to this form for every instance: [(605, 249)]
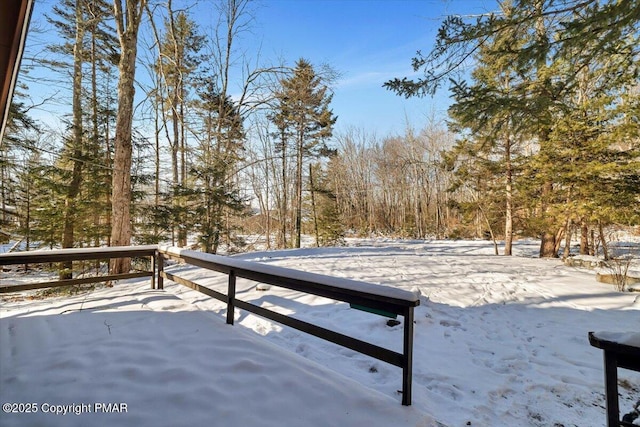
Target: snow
[(171, 364), (626, 338), (77, 251), (499, 341), (342, 283)]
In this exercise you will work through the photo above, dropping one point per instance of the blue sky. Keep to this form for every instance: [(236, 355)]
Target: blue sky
[(367, 41)]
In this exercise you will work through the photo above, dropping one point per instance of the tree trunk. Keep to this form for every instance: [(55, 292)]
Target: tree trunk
[(313, 206), (109, 165), (584, 238), (156, 199), (558, 241), (95, 130), (548, 237), (548, 245), (182, 228), (603, 241), (76, 149), (298, 212), (121, 184), (267, 210), (508, 226), (567, 239), (285, 190)]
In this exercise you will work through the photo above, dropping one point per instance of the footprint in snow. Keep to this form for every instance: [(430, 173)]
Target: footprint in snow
[(452, 324)]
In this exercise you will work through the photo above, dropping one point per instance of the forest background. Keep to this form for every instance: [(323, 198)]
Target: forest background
[(228, 147)]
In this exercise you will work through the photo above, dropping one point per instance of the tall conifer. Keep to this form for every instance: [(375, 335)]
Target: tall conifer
[(303, 115)]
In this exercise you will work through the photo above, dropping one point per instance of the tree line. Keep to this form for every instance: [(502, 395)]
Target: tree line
[(211, 145), (547, 119)]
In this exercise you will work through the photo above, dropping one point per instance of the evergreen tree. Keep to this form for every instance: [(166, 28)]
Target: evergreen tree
[(16, 140), (595, 158), (87, 40), (221, 143), (103, 59), (550, 34), (328, 226), (178, 61), (489, 114), (16, 154), (43, 199), (304, 121)]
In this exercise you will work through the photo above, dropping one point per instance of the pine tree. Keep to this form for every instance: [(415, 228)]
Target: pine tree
[(328, 226), (178, 61), (16, 140), (221, 142), (304, 120), (87, 40), (44, 199), (15, 159), (596, 154), (71, 22), (551, 34), (488, 113), (103, 59)]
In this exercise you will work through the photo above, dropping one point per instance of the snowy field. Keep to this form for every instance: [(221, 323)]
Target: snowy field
[(499, 341)]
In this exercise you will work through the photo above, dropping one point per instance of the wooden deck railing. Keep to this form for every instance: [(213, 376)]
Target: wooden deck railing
[(79, 254), (625, 355), (364, 296), (367, 296)]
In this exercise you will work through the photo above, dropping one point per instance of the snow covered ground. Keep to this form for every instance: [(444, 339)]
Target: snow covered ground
[(499, 341)]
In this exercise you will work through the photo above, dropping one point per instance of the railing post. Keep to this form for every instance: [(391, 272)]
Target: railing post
[(154, 269), (231, 294), (160, 263), (611, 388), (407, 369)]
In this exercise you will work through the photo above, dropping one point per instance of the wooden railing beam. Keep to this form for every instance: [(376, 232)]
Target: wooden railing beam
[(291, 279)]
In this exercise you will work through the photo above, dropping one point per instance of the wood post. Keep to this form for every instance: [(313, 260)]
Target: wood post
[(231, 295), (611, 388), (407, 369), (160, 263), (154, 269)]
